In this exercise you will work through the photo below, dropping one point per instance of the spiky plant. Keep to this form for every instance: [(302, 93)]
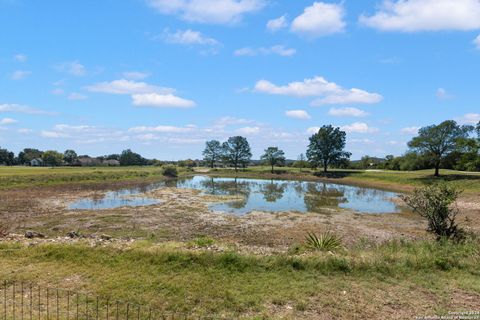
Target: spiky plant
[(325, 241)]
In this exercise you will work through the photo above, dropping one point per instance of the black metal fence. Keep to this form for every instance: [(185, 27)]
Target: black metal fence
[(27, 301)]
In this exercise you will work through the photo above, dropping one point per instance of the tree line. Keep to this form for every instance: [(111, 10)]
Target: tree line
[(447, 145)]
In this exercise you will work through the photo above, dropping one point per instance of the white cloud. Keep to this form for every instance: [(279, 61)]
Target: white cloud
[(208, 11), (442, 94), (124, 86), (347, 112), (189, 37), (425, 15), (161, 101), (278, 49), (359, 127), (329, 92), (162, 129), (320, 19), (73, 68), (298, 114), (17, 108), (410, 130), (135, 75), (313, 130), (20, 74), (351, 96), (248, 130), (58, 92), (277, 24), (53, 134), (20, 57), (24, 131), (76, 96), (227, 121), (6, 121), (469, 118), (476, 42)]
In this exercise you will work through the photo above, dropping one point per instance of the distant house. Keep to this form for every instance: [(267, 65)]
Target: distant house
[(111, 163), (89, 162), (37, 162)]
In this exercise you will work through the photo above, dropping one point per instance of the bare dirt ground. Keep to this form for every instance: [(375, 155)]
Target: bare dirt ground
[(184, 215)]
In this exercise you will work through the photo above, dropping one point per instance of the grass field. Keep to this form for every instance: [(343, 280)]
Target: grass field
[(396, 279), (24, 177), (21, 177)]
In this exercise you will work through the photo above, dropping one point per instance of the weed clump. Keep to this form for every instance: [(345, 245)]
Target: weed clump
[(170, 171), (325, 242)]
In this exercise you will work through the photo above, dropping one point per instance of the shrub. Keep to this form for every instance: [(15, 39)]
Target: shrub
[(436, 203), (4, 230), (326, 241), (170, 171)]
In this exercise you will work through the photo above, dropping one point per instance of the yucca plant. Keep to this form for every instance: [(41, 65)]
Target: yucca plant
[(326, 241)]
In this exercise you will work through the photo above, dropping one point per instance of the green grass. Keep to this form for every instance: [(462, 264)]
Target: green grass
[(232, 284), (22, 177)]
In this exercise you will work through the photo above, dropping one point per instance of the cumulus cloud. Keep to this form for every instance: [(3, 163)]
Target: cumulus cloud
[(442, 94), (347, 112), (17, 108), (135, 75), (313, 130), (6, 121), (20, 57), (74, 68), (162, 129), (410, 130), (53, 134), (359, 127), (161, 101), (277, 24), (20, 74), (469, 118), (425, 15), (298, 114), (320, 19), (189, 37), (227, 121), (327, 92), (76, 96), (124, 86), (208, 11), (476, 42), (248, 130), (278, 50)]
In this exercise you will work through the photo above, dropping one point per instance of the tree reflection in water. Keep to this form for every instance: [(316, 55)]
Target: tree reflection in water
[(273, 191), (318, 195), (232, 187)]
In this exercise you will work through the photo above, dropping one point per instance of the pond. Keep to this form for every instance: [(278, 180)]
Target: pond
[(259, 195)]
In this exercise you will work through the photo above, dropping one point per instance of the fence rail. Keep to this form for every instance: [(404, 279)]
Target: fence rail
[(27, 301)]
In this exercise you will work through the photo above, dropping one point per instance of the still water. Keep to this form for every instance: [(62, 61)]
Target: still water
[(258, 195)]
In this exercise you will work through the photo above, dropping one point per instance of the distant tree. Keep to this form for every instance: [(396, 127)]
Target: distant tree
[(7, 158), (130, 158), (301, 162), (213, 152), (326, 147), (189, 163), (273, 156), (112, 157), (28, 154), (236, 152), (438, 141), (52, 158), (70, 157)]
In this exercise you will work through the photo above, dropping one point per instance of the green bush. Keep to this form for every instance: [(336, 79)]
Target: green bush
[(436, 203), (170, 171)]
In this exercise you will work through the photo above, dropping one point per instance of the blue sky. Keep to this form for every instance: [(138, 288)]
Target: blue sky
[(162, 77)]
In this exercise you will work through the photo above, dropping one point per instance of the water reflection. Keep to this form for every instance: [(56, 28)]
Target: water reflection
[(257, 195)]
